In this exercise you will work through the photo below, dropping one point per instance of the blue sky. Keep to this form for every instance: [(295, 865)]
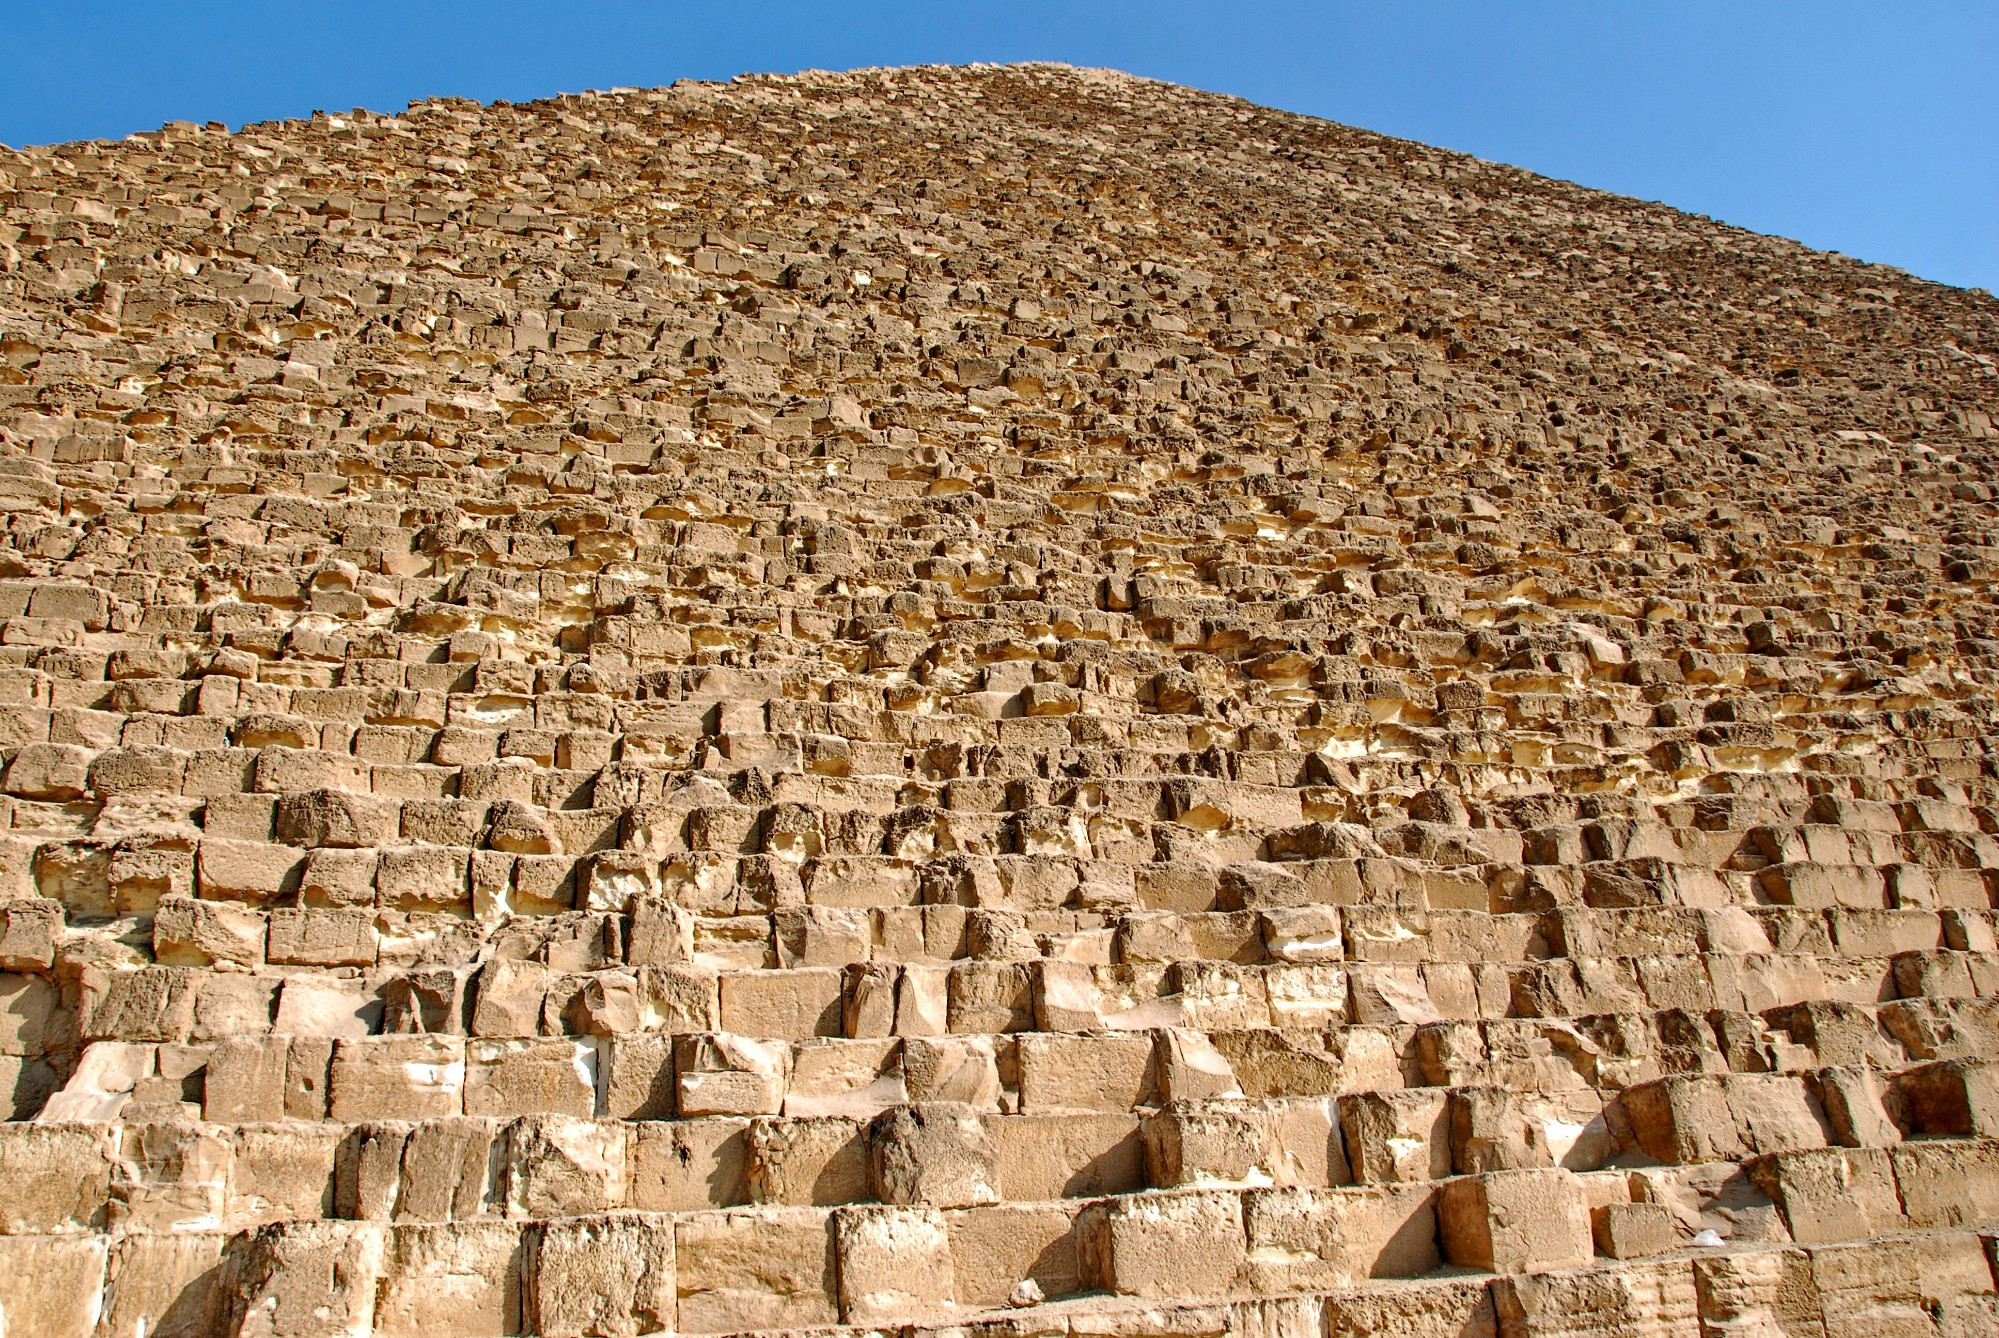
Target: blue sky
[(1869, 128)]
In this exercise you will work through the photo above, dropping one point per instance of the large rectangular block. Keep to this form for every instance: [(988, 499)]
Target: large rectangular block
[(51, 1285), (1626, 1297), (1832, 1194), (756, 1268), (562, 1166), (55, 1177), (460, 1278), (397, 1078), (688, 1165), (1164, 1245), (602, 1277), (1308, 1239), (554, 1075), (996, 1248), (1512, 1221), (1104, 1073), (1045, 1157), (1948, 1182), (895, 1264)]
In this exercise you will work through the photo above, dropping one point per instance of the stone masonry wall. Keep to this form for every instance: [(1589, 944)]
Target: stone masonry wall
[(1003, 702)]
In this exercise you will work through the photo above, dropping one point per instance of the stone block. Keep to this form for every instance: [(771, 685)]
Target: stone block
[(558, 1166), (756, 1268), (1832, 1194), (461, 1278), (1067, 1156), (895, 1264), (608, 1276), (807, 1162), (1163, 1244), (1514, 1221), (54, 1178), (244, 1082), (304, 1280), (398, 1078), (721, 1074), (688, 1165), (1947, 1182), (996, 1248), (1397, 1136), (546, 1076), (1311, 1239)]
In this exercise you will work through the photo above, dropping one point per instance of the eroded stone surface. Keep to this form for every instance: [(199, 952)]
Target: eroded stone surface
[(1001, 700)]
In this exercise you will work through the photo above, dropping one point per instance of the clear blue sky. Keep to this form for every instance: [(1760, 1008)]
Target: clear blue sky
[(1870, 128)]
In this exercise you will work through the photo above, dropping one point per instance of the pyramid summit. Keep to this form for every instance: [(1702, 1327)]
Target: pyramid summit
[(1002, 701)]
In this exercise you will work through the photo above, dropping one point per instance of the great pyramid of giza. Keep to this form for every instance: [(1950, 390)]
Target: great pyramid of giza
[(996, 702)]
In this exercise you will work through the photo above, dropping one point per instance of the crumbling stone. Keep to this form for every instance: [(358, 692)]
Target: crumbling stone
[(994, 700)]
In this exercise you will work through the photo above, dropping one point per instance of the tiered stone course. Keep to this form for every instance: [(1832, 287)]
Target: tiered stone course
[(998, 702)]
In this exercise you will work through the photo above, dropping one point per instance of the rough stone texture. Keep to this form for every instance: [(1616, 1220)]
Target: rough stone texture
[(1003, 701)]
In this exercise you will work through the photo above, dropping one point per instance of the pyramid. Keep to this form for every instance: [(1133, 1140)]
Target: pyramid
[(999, 702)]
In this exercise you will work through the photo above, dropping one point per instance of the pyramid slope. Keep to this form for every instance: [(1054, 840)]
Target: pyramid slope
[(1005, 700)]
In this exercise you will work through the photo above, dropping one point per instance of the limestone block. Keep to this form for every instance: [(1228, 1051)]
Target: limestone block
[(166, 1286), (151, 1004), (29, 931), (1831, 1194), (244, 1082), (254, 872), (806, 1162), (460, 1278), (557, 1166), (546, 1076), (1947, 1183), (679, 997), (342, 1009), (446, 1171), (963, 1070), (1430, 1308), (1163, 1244), (1935, 1283), (853, 1079), (609, 1276), (1628, 1297), (279, 1172), (1306, 935), (1068, 1156), (323, 936), (639, 1083), (171, 1177), (336, 818), (398, 1078), (1513, 1221), (1190, 1068), (1760, 1291), (996, 1248), (1955, 1098), (54, 1178), (56, 771), (1397, 1136), (187, 932), (101, 1085), (1284, 1142), (895, 1264), (688, 1165), (1103, 1073), (1633, 1230), (1310, 1239), (935, 1154), (763, 1268), (721, 1074), (303, 1280)]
